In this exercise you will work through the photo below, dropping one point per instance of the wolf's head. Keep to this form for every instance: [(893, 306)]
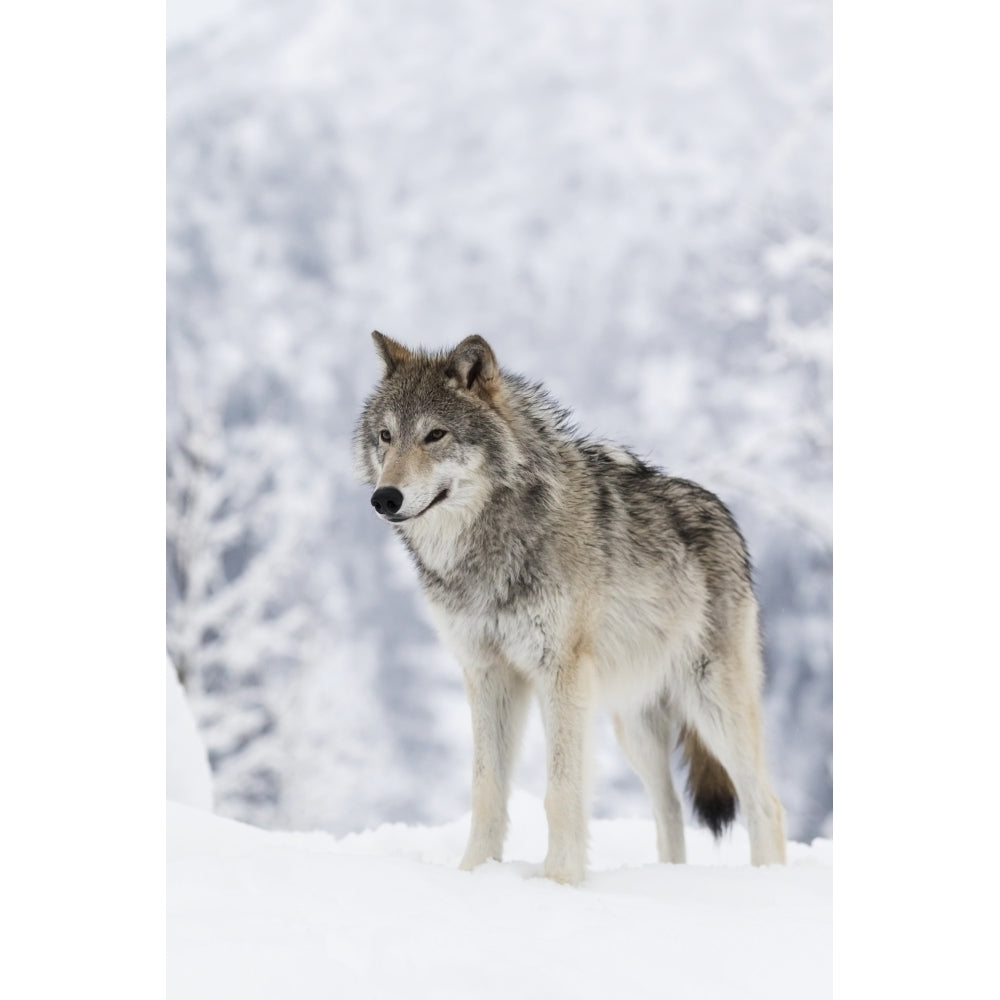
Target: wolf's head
[(432, 439)]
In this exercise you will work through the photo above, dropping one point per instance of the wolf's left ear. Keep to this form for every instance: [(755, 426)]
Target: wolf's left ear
[(391, 354), (473, 365)]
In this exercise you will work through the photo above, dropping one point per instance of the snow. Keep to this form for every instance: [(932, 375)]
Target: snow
[(632, 202), (189, 778), (386, 913)]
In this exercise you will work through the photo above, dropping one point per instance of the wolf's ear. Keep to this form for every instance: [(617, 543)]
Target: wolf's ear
[(391, 354), (473, 365)]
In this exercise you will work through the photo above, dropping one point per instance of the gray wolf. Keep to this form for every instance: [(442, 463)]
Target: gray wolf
[(568, 568)]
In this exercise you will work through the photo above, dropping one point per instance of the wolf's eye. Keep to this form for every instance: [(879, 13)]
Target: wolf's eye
[(435, 435), (385, 436)]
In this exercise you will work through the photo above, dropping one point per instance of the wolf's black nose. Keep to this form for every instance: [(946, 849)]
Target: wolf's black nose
[(387, 500)]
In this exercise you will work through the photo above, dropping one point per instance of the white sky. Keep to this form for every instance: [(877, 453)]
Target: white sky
[(186, 17)]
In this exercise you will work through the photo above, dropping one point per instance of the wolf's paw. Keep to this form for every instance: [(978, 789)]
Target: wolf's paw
[(568, 871), (476, 855)]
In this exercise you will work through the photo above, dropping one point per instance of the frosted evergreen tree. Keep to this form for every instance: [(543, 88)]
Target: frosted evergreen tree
[(233, 625)]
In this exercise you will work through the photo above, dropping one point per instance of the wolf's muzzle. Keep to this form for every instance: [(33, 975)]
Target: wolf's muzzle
[(387, 500)]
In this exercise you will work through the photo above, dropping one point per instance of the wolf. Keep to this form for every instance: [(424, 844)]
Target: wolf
[(567, 568)]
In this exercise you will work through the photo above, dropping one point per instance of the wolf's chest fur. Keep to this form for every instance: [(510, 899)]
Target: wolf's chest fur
[(492, 593)]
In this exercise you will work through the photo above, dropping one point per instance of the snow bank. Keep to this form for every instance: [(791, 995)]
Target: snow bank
[(189, 778), (386, 913)]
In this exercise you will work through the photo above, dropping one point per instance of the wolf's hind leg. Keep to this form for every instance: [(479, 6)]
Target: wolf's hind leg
[(646, 736), (498, 699)]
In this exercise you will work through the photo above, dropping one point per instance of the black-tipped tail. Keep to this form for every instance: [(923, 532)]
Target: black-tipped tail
[(710, 787)]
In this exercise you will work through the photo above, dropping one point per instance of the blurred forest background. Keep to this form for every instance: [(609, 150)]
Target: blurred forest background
[(630, 200)]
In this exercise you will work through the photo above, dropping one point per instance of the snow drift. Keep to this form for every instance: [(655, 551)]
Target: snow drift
[(189, 778), (386, 913)]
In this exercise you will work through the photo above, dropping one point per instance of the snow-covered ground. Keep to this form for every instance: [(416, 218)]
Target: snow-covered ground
[(631, 200), (385, 912)]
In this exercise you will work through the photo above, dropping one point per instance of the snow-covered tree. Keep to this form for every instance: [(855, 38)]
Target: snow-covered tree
[(233, 623), (631, 201)]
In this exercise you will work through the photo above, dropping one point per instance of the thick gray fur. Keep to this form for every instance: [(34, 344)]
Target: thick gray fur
[(568, 568)]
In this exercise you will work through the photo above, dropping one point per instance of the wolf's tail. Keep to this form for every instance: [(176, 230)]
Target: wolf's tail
[(710, 787)]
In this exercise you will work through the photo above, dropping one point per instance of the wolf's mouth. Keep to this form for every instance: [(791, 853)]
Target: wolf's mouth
[(398, 520)]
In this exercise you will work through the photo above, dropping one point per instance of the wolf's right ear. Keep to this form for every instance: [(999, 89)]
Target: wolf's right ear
[(391, 354)]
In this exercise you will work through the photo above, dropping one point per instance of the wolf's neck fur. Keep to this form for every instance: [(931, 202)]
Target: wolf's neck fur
[(490, 543)]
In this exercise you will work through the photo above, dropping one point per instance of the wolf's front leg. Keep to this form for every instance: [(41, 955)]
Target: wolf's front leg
[(567, 711), (498, 698)]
